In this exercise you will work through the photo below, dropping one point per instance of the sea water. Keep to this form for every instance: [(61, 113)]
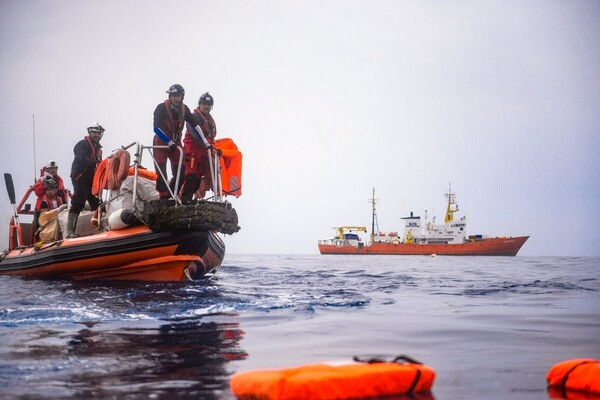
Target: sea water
[(491, 327)]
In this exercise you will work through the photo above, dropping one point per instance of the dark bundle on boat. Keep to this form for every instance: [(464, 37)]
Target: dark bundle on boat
[(194, 216)]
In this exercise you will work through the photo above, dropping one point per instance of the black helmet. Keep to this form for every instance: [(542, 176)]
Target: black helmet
[(176, 89), (206, 98), (49, 184)]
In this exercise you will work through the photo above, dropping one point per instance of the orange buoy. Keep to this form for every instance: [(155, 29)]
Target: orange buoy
[(580, 375), (329, 381)]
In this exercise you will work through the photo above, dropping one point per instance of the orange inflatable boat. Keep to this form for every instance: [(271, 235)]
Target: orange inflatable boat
[(329, 381), (575, 379)]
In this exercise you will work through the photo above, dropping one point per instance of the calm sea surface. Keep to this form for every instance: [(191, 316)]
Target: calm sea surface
[(490, 327)]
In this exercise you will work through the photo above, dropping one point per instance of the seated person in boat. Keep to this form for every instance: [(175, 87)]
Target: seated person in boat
[(50, 200), (169, 118), (195, 152), (50, 172), (45, 224)]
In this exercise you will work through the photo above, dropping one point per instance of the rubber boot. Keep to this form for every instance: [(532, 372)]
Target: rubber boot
[(71, 225)]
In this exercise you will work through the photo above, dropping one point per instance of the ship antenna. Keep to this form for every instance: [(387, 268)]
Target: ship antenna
[(34, 158), (374, 223), (451, 201)]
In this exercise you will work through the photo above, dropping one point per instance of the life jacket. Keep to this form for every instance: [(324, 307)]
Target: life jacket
[(95, 154), (111, 172), (207, 124), (231, 167), (333, 381), (579, 377), (173, 126), (39, 190), (50, 203)]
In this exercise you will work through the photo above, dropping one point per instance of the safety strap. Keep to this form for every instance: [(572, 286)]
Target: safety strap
[(401, 359)]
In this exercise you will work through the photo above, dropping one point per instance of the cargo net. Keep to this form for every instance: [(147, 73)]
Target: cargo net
[(192, 217)]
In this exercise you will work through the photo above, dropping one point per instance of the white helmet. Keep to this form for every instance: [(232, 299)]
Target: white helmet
[(95, 127), (51, 164)]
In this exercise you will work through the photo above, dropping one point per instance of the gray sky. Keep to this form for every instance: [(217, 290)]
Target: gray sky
[(328, 99)]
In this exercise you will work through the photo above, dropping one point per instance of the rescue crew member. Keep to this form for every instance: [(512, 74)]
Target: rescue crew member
[(50, 200), (196, 161), (169, 118), (50, 172), (88, 154)]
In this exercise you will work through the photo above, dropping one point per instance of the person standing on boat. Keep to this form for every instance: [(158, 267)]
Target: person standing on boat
[(50, 172), (195, 151), (88, 154), (169, 118)]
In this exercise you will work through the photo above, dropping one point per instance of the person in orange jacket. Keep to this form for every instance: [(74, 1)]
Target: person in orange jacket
[(50, 200), (50, 172), (196, 152), (169, 118)]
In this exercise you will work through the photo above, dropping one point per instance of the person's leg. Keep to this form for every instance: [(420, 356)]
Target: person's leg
[(80, 194)]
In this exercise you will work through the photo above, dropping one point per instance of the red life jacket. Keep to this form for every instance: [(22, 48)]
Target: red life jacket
[(96, 155), (50, 203), (39, 187), (208, 126), (174, 127)]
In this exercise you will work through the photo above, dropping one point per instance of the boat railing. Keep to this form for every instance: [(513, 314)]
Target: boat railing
[(215, 170)]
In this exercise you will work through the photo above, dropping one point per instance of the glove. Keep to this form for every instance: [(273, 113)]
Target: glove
[(172, 145), (219, 152)]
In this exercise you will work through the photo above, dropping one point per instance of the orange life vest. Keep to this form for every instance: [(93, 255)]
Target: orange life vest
[(231, 167), (50, 203), (330, 381), (579, 375)]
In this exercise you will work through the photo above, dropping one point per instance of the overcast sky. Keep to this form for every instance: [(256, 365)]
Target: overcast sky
[(328, 99)]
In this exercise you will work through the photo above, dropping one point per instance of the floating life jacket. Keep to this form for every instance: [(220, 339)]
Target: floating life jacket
[(326, 381), (231, 167), (578, 375)]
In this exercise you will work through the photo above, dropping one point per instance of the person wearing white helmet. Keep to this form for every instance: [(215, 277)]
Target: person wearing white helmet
[(88, 154), (169, 118)]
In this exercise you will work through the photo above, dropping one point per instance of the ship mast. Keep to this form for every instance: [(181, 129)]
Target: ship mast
[(374, 222), (450, 210)]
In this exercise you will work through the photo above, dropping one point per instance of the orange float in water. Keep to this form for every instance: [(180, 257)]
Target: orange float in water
[(567, 378), (329, 381)]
